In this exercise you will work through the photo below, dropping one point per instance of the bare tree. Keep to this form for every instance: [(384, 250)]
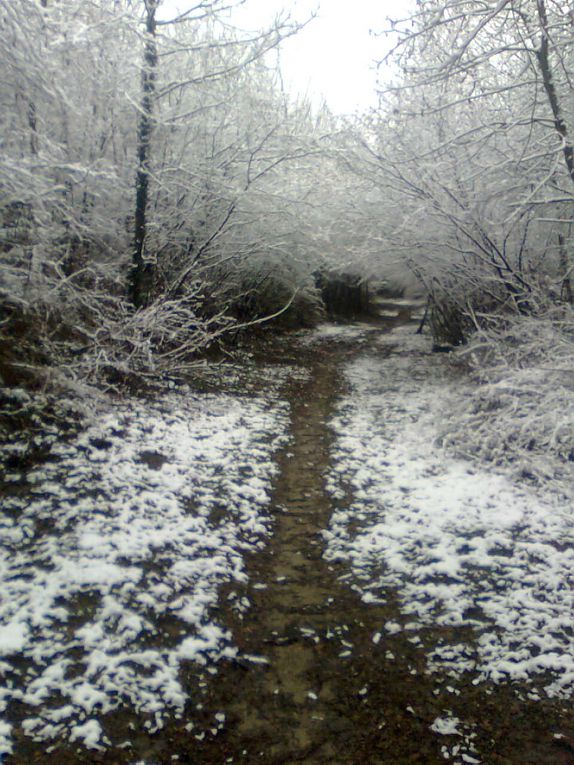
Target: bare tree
[(469, 136)]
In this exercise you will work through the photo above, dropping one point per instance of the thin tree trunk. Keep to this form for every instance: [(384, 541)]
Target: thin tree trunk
[(424, 318), (566, 291), (142, 273), (33, 125), (543, 56)]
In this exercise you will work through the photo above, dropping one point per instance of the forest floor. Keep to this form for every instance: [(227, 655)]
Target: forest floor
[(286, 568)]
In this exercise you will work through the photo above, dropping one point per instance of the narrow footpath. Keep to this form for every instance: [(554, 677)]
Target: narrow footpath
[(316, 682), (315, 697)]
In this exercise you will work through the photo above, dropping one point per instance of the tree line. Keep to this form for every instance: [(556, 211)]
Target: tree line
[(159, 187)]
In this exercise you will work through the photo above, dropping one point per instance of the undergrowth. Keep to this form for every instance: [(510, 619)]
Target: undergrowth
[(520, 410)]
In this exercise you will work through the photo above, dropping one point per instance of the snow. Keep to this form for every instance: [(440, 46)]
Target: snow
[(114, 549), (13, 638), (446, 726), (519, 412), (5, 738), (112, 558), (462, 545), (90, 733), (461, 751)]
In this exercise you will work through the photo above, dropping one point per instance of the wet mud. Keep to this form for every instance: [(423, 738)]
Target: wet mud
[(311, 700)]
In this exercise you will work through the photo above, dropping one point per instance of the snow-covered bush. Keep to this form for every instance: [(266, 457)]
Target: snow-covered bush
[(521, 411), (275, 292)]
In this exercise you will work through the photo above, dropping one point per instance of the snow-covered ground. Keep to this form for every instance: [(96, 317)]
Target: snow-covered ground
[(112, 553), (113, 550), (460, 544)]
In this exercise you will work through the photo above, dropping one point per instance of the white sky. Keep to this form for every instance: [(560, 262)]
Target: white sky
[(332, 58)]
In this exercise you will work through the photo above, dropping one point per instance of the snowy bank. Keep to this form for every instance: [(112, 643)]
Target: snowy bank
[(519, 412), (113, 552), (461, 545)]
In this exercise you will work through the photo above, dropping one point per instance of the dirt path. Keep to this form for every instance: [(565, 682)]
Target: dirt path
[(330, 689), (310, 701)]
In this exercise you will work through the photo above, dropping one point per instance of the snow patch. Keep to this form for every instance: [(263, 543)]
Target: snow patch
[(463, 546), (111, 562), (446, 726)]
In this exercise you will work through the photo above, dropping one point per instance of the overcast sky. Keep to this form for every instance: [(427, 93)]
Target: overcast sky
[(333, 56)]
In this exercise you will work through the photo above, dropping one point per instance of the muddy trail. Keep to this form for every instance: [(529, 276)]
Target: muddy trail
[(312, 700), (316, 682)]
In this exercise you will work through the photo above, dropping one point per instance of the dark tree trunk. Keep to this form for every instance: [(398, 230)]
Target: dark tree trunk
[(566, 291), (543, 56), (142, 273), (423, 321)]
